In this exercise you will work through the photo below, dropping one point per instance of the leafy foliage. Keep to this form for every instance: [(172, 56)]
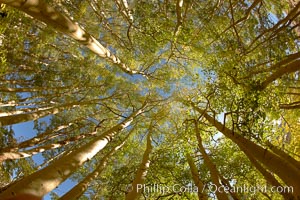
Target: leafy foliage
[(222, 56)]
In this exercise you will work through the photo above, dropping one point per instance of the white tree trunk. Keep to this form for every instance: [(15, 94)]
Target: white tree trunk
[(285, 170), (47, 179), (81, 187), (45, 13), (142, 171)]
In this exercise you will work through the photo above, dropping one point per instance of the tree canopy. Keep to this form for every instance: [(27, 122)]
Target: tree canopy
[(137, 99)]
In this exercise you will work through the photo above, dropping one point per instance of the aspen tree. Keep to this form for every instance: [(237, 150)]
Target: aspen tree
[(48, 178), (142, 171), (285, 170)]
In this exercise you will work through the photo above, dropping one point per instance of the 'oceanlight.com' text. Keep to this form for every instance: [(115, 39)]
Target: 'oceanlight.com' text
[(191, 188)]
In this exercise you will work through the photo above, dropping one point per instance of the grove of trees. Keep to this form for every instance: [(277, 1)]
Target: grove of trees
[(150, 99)]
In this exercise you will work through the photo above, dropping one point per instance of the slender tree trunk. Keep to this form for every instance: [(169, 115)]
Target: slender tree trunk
[(48, 134), (214, 173), (286, 60), (43, 137), (285, 170), (22, 102), (283, 155), (195, 175), (42, 112), (179, 5), (233, 194), (42, 11), (28, 153), (290, 68), (33, 89), (22, 111), (142, 171), (81, 187), (25, 154), (267, 175), (124, 9), (15, 119), (48, 178)]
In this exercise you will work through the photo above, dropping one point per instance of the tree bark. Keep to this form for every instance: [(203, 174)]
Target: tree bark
[(42, 11), (214, 173), (267, 175), (285, 170), (42, 112), (81, 187), (15, 119), (290, 68), (195, 175), (286, 60), (233, 194), (28, 153), (40, 138), (284, 155), (48, 178), (33, 89), (142, 170)]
